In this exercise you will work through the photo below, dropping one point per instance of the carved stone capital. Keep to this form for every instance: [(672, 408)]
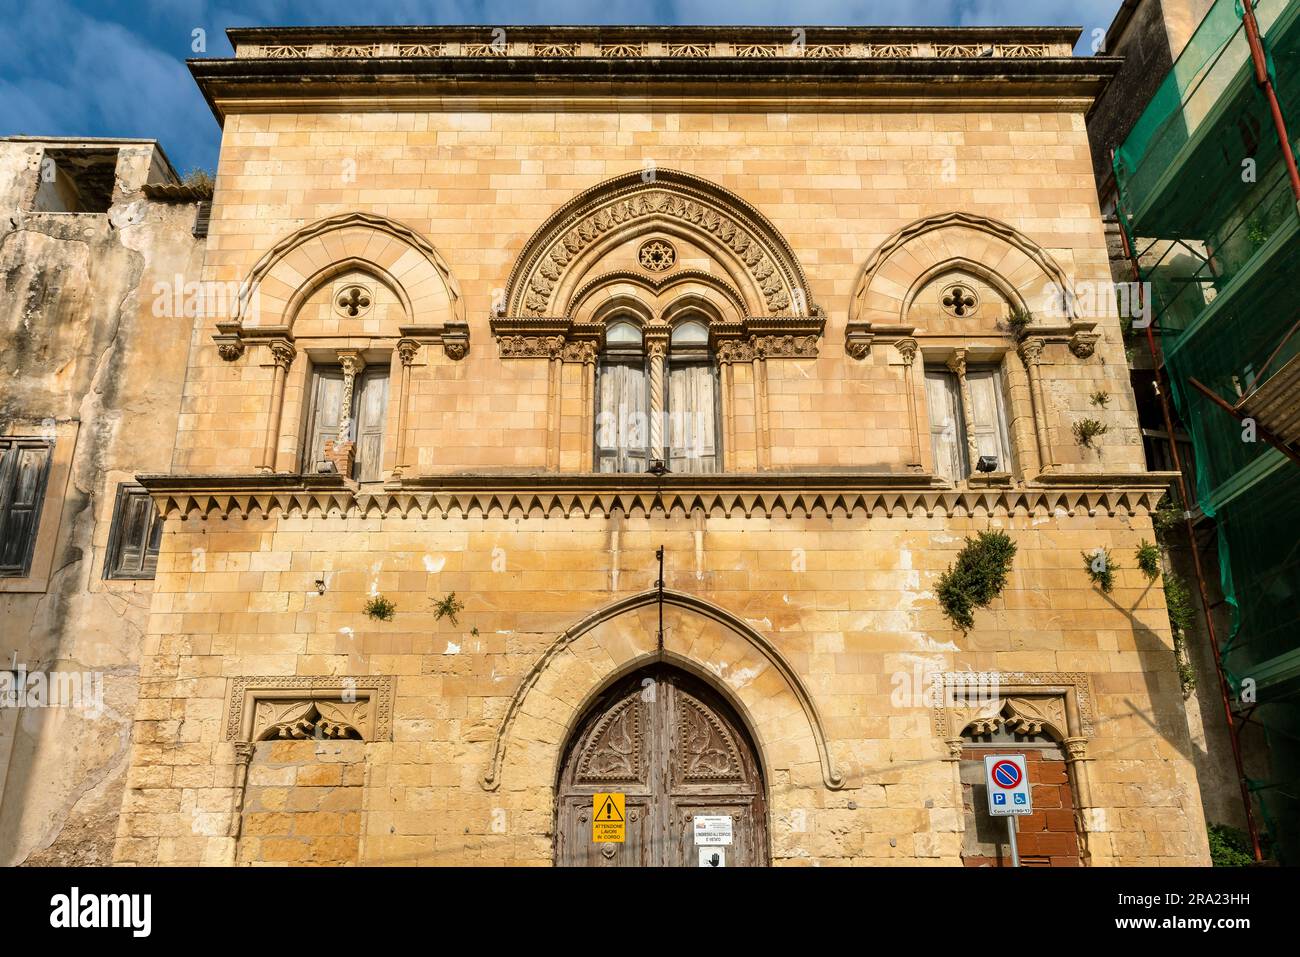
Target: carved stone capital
[(958, 363), (282, 353), (407, 349), (1076, 749), (244, 752), (1031, 350), (955, 747), (351, 362), (1084, 344), (907, 349)]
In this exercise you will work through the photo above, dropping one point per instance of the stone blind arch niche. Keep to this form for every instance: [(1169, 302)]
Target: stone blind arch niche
[(701, 639), (956, 278), (356, 290)]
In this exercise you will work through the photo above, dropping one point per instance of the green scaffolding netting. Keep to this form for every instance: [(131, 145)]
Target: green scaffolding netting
[(1208, 206)]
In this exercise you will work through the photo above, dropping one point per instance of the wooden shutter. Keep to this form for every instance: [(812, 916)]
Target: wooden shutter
[(323, 424), (372, 408), (135, 536), (947, 429), (622, 426), (692, 417), (989, 416), (24, 470)]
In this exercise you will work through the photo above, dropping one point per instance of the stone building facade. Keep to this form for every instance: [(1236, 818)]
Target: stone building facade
[(93, 358), (525, 316)]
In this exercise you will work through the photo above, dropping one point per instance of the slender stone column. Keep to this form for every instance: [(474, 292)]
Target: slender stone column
[(958, 365), (407, 349), (907, 349), (282, 355), (657, 348), (352, 364), (1031, 351)]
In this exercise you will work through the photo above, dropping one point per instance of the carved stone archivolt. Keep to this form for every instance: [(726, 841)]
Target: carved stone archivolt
[(716, 219), (277, 707)]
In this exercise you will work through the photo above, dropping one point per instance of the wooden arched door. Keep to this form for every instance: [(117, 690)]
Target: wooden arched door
[(676, 749)]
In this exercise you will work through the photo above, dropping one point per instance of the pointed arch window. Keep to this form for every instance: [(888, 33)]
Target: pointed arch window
[(623, 406), (692, 401)]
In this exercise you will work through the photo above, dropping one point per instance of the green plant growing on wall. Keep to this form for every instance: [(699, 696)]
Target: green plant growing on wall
[(448, 607), (1086, 430), (1018, 323), (976, 577), (1101, 568), (1166, 517), (1148, 560), (380, 608), (1229, 847), (1099, 398), (1182, 612)]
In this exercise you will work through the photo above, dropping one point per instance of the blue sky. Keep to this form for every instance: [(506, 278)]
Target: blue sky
[(115, 68)]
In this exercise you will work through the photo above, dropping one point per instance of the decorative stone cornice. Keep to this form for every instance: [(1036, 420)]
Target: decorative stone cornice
[(884, 494)]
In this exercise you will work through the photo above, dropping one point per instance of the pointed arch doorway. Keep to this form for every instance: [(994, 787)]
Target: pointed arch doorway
[(676, 749)]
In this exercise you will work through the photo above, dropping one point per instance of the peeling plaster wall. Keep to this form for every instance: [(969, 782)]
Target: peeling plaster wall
[(82, 355)]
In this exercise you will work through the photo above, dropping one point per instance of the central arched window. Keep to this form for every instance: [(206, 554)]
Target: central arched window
[(623, 409), (657, 404), (692, 401)]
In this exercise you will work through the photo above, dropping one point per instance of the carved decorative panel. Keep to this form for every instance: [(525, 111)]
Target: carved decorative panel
[(707, 750), (615, 752), (292, 706)]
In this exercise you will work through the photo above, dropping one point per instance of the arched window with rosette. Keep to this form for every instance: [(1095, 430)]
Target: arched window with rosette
[(692, 402), (623, 400)]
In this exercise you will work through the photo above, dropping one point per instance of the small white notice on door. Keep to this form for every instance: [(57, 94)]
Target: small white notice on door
[(713, 856), (712, 829)]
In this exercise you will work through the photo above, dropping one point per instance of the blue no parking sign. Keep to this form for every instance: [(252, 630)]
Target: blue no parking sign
[(1007, 782)]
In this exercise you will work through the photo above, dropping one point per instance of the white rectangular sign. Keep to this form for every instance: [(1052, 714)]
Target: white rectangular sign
[(1007, 781), (712, 829), (713, 856)]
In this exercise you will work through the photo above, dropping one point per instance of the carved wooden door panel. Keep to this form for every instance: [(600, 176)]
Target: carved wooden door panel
[(676, 750)]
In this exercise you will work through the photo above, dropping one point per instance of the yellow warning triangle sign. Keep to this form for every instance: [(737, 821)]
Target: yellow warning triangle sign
[(610, 810)]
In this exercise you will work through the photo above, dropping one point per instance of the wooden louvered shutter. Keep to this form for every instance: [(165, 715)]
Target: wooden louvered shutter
[(135, 537), (372, 409), (947, 430), (692, 418), (989, 416), (24, 470), (622, 426), (326, 406)]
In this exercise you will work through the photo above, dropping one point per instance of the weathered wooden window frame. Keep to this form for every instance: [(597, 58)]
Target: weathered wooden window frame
[(148, 551)]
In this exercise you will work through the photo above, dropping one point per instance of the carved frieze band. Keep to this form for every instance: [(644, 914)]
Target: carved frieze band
[(497, 47), (293, 707), (730, 501)]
